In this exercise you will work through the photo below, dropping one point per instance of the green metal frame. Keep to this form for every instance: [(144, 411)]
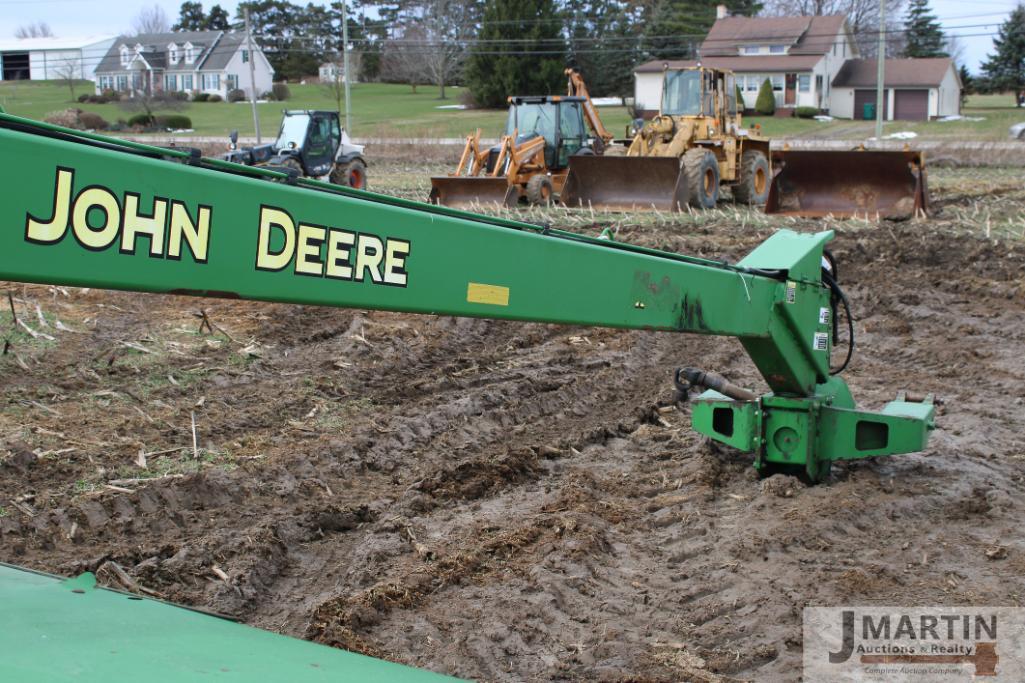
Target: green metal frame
[(70, 630), (433, 260)]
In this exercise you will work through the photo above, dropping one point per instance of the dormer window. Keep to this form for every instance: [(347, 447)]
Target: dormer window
[(172, 53), (777, 49), (750, 49), (125, 55), (190, 55)]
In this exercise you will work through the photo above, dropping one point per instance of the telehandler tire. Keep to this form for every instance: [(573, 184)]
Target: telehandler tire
[(753, 187), (540, 190), (702, 171), (352, 174)]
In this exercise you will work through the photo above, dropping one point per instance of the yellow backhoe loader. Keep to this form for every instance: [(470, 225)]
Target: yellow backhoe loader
[(681, 156), (531, 160)]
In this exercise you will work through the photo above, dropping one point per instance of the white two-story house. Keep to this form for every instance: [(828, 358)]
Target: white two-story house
[(800, 56), (212, 62)]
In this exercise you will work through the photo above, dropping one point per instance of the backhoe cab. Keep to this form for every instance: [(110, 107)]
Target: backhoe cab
[(681, 156), (531, 160), (313, 144)]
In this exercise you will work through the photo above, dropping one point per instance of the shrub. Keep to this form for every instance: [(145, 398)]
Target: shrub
[(806, 112), (281, 92), (201, 97), (109, 93), (174, 121), (91, 121), (237, 95), (741, 105), (65, 117), (84, 97), (269, 96), (215, 98), (179, 95), (766, 102), (141, 120)]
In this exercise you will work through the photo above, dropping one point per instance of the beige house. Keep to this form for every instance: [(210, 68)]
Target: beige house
[(800, 56), (915, 89)]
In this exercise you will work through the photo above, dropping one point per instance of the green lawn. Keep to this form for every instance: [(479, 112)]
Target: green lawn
[(381, 110), (378, 110)]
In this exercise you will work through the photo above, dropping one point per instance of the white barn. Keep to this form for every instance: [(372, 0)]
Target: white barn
[(42, 59)]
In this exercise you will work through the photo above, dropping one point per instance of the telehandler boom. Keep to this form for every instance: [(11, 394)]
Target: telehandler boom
[(86, 210)]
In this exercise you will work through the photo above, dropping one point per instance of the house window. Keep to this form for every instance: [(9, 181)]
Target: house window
[(186, 82), (777, 82), (190, 56), (125, 56), (232, 81), (777, 49), (104, 82), (170, 82), (172, 53), (804, 82), (245, 56), (750, 49), (752, 83), (122, 83), (211, 81)]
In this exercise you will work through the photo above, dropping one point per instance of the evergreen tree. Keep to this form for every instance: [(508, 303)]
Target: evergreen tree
[(1005, 70), (922, 33), (602, 44), (190, 17), (501, 63), (967, 81), (218, 19), (766, 102)]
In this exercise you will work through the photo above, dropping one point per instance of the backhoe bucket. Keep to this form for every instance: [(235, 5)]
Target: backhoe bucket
[(854, 183), (465, 192), (625, 183)]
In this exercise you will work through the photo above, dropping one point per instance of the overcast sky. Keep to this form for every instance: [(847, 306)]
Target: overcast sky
[(976, 20)]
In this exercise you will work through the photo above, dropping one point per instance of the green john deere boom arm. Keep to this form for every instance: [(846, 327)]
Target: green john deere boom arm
[(77, 209), (85, 210)]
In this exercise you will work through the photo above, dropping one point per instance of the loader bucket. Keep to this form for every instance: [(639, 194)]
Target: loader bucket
[(850, 183), (625, 183), (467, 191)]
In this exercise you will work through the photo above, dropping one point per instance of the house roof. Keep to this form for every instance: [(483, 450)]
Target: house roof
[(764, 63), (213, 50), (804, 35), (861, 73)]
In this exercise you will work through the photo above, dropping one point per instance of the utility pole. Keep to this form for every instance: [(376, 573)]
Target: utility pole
[(345, 63), (252, 77), (881, 61)]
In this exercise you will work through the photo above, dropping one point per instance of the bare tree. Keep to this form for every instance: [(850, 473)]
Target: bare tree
[(39, 29), (151, 19), (862, 17), (69, 71), (402, 58)]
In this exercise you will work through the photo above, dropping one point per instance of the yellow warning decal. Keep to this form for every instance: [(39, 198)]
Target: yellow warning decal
[(495, 295)]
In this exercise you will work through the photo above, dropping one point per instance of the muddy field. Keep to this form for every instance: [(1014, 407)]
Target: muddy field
[(521, 502)]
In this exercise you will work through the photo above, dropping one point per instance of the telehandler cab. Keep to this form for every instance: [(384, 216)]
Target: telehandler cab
[(310, 143)]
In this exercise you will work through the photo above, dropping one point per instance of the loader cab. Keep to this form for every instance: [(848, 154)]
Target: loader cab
[(560, 120), (699, 91), (312, 137)]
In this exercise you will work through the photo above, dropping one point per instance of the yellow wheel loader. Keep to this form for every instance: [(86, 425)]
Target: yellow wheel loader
[(682, 156), (531, 160)]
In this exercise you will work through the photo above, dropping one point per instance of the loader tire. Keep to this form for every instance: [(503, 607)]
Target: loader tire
[(753, 187), (540, 190), (352, 174), (702, 171)]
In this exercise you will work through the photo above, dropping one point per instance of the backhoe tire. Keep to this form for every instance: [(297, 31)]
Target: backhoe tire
[(753, 186), (702, 171), (351, 174), (540, 190)]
